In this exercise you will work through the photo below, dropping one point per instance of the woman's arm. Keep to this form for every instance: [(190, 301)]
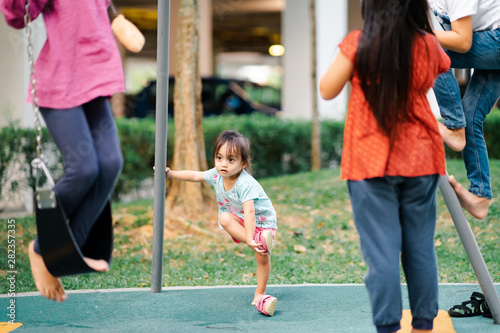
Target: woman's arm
[(459, 39), (14, 11), (186, 175), (335, 78)]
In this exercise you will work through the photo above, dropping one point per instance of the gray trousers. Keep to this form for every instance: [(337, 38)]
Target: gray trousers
[(88, 141), (396, 217)]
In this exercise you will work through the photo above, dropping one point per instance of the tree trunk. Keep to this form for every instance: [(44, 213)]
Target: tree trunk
[(316, 126), (189, 146)]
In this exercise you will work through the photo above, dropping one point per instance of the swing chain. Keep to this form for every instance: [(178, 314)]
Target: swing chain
[(32, 77), (38, 162)]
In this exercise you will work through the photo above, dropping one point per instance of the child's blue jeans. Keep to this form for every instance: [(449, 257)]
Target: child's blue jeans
[(396, 216), (88, 141), (480, 96)]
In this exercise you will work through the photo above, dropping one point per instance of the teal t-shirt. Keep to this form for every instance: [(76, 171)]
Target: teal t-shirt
[(246, 188)]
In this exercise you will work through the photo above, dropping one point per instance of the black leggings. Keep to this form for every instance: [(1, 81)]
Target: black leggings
[(88, 140)]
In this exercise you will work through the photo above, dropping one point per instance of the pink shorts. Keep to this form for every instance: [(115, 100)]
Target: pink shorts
[(257, 229)]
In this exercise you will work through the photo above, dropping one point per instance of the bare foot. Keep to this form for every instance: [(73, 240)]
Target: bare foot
[(256, 298), (476, 206), (414, 330), (98, 265), (454, 138), (49, 286)]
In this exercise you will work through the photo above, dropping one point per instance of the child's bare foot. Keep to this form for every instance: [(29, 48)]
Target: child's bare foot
[(98, 265), (256, 298), (414, 330), (476, 206), (454, 138), (49, 286)]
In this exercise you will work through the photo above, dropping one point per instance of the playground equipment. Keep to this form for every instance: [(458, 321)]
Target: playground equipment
[(60, 252), (471, 247), (160, 142)]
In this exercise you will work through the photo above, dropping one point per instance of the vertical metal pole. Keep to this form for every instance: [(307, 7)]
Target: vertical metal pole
[(470, 245), (160, 142)]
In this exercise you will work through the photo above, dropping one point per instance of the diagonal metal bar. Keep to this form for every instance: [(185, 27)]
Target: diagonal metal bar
[(471, 247)]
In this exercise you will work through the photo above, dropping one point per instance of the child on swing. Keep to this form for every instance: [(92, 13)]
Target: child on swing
[(393, 153), (245, 211), (78, 69), (471, 38)]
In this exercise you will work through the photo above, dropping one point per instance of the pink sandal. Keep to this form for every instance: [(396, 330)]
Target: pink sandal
[(266, 239), (266, 305)]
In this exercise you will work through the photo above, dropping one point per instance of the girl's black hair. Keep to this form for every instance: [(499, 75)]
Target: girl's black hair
[(384, 56), (236, 143)]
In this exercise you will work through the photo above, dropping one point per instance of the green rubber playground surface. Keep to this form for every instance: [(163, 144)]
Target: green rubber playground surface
[(300, 308)]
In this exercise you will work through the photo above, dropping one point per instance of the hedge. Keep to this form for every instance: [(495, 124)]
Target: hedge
[(279, 146)]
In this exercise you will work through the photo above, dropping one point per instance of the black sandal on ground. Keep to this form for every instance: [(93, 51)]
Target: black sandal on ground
[(469, 308), (486, 310), (483, 305)]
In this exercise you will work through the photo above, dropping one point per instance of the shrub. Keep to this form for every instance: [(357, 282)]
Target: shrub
[(278, 146), (137, 138), (18, 148)]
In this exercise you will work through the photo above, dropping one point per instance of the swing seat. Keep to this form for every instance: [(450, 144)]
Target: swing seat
[(58, 247)]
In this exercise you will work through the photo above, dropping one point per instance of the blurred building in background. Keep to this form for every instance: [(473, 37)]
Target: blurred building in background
[(267, 42)]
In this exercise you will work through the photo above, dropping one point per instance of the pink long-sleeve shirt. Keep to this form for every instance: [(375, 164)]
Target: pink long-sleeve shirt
[(80, 59)]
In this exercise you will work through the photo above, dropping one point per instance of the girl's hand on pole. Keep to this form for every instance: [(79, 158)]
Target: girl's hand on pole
[(167, 171), (256, 247)]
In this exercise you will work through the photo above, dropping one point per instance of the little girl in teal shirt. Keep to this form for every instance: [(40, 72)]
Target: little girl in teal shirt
[(245, 211)]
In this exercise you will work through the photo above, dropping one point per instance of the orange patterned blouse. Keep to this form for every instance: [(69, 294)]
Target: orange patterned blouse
[(419, 149)]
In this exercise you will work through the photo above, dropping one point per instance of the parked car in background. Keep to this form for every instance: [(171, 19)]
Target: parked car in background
[(219, 96)]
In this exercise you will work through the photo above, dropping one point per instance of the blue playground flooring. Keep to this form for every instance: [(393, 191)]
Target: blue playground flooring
[(301, 308)]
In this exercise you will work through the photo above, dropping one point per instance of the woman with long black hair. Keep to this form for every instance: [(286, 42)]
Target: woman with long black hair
[(393, 153)]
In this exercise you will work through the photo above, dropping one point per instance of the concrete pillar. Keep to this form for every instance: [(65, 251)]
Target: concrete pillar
[(331, 21), (331, 27), (14, 72), (296, 36)]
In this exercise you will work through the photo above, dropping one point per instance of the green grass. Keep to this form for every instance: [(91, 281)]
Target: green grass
[(316, 242)]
